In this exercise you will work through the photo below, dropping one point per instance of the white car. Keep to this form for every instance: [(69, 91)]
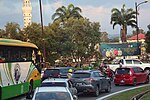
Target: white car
[(53, 93), (59, 82)]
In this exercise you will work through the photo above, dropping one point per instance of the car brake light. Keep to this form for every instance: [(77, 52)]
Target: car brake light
[(89, 79), (130, 73)]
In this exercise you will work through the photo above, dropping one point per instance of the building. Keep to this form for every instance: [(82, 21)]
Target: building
[(27, 12), (141, 38)]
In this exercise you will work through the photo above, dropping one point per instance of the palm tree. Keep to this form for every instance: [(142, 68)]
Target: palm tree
[(124, 18), (67, 12)]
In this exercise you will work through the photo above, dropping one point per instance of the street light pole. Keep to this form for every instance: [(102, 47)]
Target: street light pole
[(44, 52), (136, 8)]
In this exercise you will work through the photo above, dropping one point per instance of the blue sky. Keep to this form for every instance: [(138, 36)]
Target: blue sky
[(95, 10)]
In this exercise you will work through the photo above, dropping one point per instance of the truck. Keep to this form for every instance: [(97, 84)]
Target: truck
[(129, 62)]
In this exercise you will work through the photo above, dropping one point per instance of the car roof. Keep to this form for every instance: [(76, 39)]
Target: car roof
[(60, 68), (51, 89), (55, 80), (87, 71)]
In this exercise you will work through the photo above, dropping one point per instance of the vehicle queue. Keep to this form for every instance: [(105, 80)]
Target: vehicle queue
[(88, 81)]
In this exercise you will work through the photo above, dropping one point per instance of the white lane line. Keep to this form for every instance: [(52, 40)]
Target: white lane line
[(104, 97)]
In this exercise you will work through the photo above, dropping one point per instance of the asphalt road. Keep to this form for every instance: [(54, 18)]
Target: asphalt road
[(88, 96)]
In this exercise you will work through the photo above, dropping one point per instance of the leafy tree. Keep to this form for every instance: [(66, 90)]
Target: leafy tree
[(124, 18), (64, 13), (147, 40), (12, 30)]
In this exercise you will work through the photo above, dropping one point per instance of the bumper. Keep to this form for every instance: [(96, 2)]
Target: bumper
[(124, 81), (85, 88)]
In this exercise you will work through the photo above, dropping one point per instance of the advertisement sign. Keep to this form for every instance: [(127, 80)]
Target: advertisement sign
[(120, 49)]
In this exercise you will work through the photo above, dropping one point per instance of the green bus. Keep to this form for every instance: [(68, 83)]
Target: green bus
[(19, 68)]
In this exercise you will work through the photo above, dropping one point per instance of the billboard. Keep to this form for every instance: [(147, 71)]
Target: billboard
[(120, 49)]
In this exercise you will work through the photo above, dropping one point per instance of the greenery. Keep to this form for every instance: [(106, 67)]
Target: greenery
[(147, 40), (146, 96), (129, 94), (63, 13), (124, 18), (74, 37)]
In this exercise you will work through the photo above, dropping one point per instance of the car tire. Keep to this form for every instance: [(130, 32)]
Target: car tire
[(134, 82), (108, 88), (96, 93), (147, 80), (116, 84)]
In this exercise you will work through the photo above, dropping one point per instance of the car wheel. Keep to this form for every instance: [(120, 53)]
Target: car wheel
[(96, 93), (147, 80), (108, 88), (134, 82), (117, 84)]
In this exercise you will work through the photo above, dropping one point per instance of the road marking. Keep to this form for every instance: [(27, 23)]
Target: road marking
[(104, 97)]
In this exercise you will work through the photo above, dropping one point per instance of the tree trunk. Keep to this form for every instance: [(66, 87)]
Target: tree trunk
[(123, 34)]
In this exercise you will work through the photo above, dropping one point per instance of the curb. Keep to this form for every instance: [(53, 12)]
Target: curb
[(138, 96), (112, 94)]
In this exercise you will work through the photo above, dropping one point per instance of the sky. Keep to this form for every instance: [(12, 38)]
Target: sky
[(94, 10)]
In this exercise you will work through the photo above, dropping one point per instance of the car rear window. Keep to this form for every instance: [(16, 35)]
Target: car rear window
[(52, 96), (81, 75), (51, 71), (123, 71), (51, 84)]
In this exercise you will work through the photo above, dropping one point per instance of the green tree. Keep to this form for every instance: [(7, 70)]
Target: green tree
[(64, 13), (124, 18), (12, 30), (147, 40)]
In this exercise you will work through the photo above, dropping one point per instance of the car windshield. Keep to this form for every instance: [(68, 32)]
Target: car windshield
[(81, 75), (50, 84), (52, 96), (122, 71)]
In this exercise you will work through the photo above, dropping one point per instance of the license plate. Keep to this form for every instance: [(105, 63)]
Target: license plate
[(79, 84)]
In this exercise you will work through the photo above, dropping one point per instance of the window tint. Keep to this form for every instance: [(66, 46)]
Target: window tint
[(51, 71), (122, 71), (136, 62), (51, 84), (128, 61), (140, 70), (52, 96), (81, 75), (96, 74), (135, 70), (16, 54)]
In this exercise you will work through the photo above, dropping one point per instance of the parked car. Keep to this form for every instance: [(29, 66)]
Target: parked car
[(91, 81), (130, 75), (56, 72), (53, 93), (59, 82)]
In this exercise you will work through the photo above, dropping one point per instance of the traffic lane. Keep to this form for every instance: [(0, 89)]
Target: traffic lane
[(88, 96)]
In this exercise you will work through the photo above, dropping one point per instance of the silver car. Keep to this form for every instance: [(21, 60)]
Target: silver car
[(52, 93)]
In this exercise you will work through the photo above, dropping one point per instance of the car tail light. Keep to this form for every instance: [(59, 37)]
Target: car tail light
[(89, 80), (130, 73)]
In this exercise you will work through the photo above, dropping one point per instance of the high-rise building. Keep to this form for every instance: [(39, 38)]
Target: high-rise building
[(27, 12)]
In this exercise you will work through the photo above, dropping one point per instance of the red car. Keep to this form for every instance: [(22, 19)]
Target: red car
[(130, 75)]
